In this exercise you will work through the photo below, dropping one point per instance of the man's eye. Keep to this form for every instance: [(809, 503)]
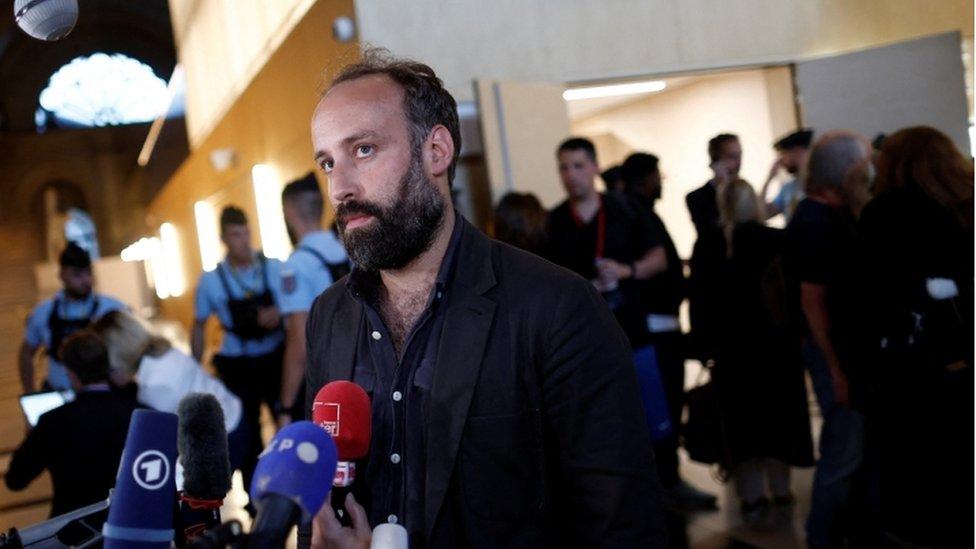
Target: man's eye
[(364, 150), (327, 166)]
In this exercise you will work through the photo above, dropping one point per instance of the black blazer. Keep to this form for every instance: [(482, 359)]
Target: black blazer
[(536, 436), (81, 444), (703, 207)]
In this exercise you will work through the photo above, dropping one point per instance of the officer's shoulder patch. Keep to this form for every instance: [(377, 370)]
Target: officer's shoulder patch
[(288, 282)]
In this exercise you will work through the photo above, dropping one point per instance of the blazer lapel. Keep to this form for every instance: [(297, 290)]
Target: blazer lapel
[(467, 325)]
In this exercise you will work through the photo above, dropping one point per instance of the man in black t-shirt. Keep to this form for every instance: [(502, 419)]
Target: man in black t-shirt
[(821, 264), (661, 297), (603, 238)]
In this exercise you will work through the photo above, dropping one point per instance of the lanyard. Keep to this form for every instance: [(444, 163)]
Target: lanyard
[(601, 227)]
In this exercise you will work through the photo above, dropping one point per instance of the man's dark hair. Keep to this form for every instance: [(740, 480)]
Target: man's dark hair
[(800, 138), (74, 256), (306, 195), (636, 168), (578, 144), (85, 354), (716, 143), (611, 176), (232, 215), (426, 102)]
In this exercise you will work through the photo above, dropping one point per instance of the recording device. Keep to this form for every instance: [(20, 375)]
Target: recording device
[(202, 443), (389, 536), (342, 409), (79, 528), (35, 405), (291, 482), (142, 503)]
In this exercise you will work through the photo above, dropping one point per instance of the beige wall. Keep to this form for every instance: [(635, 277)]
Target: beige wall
[(578, 40), (268, 123), (222, 44), (676, 125)]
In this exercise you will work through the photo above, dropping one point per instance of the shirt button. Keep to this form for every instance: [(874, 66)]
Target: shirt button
[(392, 519), (395, 458), (438, 295), (376, 335), (397, 396)]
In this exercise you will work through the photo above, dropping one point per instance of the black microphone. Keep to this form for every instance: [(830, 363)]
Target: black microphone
[(202, 443)]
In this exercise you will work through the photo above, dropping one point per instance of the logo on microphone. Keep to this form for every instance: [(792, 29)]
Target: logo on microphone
[(151, 470), (328, 418)]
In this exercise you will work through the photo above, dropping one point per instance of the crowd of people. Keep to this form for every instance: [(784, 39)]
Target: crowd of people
[(868, 289)]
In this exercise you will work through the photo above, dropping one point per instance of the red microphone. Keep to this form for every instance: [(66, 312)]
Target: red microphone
[(342, 408)]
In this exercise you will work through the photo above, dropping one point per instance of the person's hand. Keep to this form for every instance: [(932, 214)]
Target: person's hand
[(269, 318), (775, 168), (611, 271), (720, 171), (329, 533)]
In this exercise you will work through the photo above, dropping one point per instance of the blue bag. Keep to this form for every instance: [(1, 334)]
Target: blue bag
[(652, 393)]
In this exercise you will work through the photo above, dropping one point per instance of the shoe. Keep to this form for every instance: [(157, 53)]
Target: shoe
[(754, 513), (685, 497)]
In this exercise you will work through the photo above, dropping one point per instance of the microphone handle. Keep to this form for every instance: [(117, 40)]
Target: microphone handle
[(274, 522), (193, 518), (339, 504)]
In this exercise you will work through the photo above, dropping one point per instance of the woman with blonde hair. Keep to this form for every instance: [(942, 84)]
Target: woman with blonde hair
[(759, 373), (162, 373)]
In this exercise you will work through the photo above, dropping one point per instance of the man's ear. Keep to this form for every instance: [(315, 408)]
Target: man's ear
[(439, 150)]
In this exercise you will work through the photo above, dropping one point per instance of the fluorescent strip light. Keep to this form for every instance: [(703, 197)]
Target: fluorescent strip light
[(614, 90), (157, 264), (207, 235), (175, 284), (271, 219)]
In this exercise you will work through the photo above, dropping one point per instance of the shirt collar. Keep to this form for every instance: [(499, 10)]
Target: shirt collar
[(364, 283)]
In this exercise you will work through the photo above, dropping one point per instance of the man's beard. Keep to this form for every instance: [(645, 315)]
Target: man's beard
[(398, 233), (76, 295)]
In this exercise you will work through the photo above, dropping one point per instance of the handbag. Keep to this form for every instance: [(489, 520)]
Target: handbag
[(704, 435), (652, 393)]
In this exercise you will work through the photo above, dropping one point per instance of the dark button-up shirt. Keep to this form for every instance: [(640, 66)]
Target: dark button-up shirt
[(399, 392)]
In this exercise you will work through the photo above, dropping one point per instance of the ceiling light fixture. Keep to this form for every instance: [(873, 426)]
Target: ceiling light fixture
[(614, 90)]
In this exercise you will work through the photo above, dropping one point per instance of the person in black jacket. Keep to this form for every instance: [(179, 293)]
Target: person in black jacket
[(918, 240), (708, 255), (661, 298), (81, 442), (505, 403)]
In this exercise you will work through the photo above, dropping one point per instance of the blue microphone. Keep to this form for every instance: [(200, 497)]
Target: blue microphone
[(141, 505), (291, 481)]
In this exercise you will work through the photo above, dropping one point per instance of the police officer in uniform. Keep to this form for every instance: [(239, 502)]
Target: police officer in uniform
[(72, 309), (317, 261), (241, 292)]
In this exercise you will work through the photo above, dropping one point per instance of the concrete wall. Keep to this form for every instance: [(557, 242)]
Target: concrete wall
[(579, 40)]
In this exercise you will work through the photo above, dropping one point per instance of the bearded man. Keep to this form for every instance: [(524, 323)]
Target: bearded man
[(505, 404)]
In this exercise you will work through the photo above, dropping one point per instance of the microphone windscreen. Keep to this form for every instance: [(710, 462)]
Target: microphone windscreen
[(299, 464), (202, 444), (142, 503), (389, 536), (342, 408)]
